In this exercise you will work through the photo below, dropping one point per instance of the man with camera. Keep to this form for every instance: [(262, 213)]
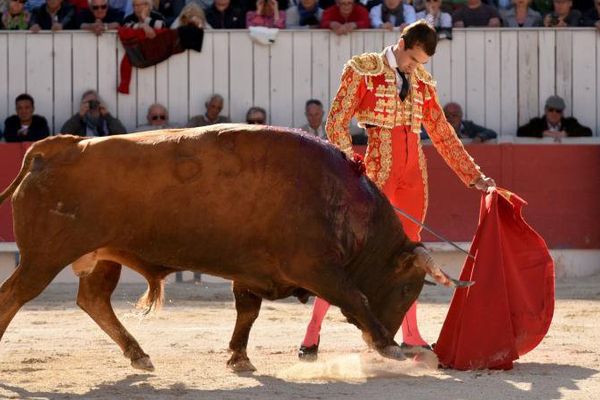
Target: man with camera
[(93, 118)]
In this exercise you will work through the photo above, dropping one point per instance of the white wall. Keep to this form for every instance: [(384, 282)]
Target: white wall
[(501, 77)]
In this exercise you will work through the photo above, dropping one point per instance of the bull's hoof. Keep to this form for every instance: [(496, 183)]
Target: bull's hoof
[(411, 350), (143, 363), (393, 351), (241, 366)]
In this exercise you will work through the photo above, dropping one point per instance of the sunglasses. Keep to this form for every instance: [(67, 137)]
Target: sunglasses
[(102, 7), (556, 110), (158, 117), (256, 121)]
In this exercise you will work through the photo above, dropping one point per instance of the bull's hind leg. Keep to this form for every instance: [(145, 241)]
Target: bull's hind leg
[(247, 305), (25, 284), (95, 290)]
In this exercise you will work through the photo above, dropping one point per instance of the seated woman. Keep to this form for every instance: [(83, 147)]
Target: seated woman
[(192, 14), (16, 17), (267, 14)]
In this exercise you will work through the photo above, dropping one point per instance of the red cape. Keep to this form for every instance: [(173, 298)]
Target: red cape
[(508, 310)]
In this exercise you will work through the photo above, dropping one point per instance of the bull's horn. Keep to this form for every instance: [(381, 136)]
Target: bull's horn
[(425, 261)]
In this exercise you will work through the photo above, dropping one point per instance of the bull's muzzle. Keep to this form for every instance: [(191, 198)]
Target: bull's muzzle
[(425, 261)]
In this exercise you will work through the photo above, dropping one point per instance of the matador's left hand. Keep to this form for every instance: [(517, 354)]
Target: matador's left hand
[(485, 184)]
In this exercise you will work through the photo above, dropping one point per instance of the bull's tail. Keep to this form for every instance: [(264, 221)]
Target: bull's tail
[(46, 147), (27, 161), (153, 298)]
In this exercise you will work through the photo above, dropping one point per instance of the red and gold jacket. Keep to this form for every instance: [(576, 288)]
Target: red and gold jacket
[(368, 91)]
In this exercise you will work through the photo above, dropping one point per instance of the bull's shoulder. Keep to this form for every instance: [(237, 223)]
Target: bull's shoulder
[(367, 64)]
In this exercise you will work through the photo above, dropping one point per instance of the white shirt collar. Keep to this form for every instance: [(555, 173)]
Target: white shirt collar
[(391, 59)]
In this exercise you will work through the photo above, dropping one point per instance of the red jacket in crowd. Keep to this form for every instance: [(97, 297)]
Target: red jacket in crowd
[(359, 15)]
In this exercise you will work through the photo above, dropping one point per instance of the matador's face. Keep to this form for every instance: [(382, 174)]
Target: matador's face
[(409, 59)]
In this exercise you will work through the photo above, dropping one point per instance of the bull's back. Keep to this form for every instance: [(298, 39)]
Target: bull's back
[(209, 196)]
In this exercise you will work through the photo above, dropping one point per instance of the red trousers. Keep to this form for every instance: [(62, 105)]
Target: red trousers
[(406, 186)]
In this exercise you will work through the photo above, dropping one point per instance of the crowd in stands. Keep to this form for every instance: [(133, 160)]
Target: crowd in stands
[(94, 119), (340, 16)]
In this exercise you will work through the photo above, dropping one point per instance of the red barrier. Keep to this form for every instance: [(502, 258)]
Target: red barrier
[(560, 183), (11, 155)]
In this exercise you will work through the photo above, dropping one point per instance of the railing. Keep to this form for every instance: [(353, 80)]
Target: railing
[(500, 76)]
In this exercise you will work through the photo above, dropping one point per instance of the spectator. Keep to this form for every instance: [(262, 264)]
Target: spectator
[(563, 15), (553, 124), (313, 110), (157, 118), (305, 14), (475, 13), (441, 21), (592, 16), (256, 116), (100, 17), (267, 14), (214, 106), (93, 118), (193, 14), (25, 126), (143, 17), (169, 9), (344, 17), (466, 129), (392, 15), (521, 15), (222, 15), (55, 15), (16, 17)]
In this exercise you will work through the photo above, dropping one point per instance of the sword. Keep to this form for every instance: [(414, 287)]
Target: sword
[(428, 229)]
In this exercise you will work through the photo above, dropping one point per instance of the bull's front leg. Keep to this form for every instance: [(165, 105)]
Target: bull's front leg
[(247, 305)]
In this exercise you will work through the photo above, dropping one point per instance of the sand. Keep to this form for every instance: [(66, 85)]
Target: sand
[(53, 350)]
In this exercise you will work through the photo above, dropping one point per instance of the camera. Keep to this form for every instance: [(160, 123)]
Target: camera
[(94, 104)]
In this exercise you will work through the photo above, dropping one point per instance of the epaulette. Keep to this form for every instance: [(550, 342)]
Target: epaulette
[(367, 64), (424, 76)]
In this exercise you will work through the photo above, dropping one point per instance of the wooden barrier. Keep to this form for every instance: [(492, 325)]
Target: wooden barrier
[(501, 77)]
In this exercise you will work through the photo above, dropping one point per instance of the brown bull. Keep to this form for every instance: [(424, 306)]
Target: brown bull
[(277, 212)]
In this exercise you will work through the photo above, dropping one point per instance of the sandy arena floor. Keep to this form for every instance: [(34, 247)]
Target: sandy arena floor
[(53, 350)]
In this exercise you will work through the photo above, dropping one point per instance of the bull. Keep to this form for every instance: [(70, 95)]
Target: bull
[(277, 212)]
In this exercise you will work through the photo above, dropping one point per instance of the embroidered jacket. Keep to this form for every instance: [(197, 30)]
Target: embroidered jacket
[(368, 91)]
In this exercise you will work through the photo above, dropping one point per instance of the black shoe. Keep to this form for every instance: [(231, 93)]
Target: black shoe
[(412, 350), (308, 353)]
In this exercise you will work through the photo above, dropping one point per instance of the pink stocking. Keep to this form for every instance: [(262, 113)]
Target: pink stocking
[(410, 330), (314, 326)]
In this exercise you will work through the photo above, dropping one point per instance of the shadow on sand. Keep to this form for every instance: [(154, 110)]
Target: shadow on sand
[(534, 381)]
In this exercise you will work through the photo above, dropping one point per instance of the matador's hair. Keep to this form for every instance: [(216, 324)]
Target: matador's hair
[(422, 34)]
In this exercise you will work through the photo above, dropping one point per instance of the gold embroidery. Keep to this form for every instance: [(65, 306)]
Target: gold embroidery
[(424, 76), (341, 111), (367, 64)]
